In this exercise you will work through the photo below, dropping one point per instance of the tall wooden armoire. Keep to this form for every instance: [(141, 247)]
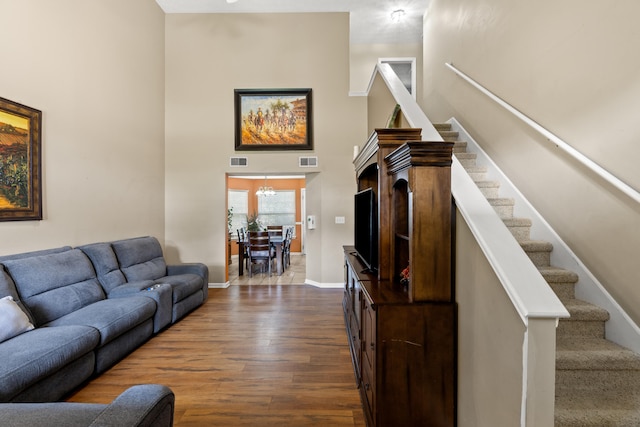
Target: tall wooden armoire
[(402, 335)]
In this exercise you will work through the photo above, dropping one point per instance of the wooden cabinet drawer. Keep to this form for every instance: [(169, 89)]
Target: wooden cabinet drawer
[(368, 394)]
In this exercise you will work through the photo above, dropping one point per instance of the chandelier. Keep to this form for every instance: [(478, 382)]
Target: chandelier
[(264, 190)]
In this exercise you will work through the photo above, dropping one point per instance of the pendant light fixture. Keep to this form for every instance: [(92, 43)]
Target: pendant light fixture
[(265, 190)]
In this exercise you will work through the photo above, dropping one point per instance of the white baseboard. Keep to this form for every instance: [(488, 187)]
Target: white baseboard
[(219, 285), (324, 285)]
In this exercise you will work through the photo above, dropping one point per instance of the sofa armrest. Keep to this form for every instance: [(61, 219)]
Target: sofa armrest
[(189, 268), (139, 406), (129, 289), (192, 268)]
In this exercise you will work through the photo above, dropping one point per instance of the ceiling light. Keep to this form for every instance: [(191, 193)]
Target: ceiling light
[(231, 1), (264, 190), (397, 15)]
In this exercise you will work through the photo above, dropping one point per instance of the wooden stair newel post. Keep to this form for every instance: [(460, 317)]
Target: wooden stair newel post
[(426, 168)]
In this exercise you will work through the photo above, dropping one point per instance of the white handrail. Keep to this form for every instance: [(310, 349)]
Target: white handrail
[(603, 173), (410, 109)]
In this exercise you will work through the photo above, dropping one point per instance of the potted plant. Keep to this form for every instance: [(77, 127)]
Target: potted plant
[(230, 220), (253, 224)]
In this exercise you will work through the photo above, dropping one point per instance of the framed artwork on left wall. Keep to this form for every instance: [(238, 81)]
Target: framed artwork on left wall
[(20, 162)]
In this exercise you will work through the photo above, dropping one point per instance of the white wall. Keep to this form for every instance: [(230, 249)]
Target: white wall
[(364, 58), (210, 55), (96, 71), (570, 66)]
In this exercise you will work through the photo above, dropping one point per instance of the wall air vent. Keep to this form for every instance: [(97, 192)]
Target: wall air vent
[(239, 162), (307, 162)]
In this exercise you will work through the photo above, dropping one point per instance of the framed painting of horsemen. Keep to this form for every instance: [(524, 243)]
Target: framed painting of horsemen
[(273, 119), (20, 189)]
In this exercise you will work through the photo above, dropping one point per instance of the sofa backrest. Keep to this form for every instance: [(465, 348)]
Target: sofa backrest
[(8, 288), (140, 258), (34, 253), (106, 265), (54, 284)]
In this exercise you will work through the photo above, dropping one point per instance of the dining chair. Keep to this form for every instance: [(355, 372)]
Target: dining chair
[(259, 250), (274, 230), (242, 238), (286, 248)]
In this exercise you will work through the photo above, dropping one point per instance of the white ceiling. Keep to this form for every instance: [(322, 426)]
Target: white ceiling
[(370, 20)]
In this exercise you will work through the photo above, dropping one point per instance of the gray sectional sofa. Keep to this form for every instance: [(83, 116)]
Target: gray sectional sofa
[(147, 405), (89, 306)]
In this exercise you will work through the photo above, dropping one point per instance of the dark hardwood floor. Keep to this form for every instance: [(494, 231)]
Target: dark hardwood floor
[(250, 356)]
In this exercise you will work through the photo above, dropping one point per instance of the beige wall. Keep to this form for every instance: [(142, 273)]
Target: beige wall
[(210, 55), (489, 381), (570, 66), (96, 71)]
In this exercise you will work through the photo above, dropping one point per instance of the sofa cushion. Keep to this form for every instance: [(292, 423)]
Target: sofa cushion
[(106, 265), (140, 258), (49, 414), (111, 317), (35, 355), (13, 321), (55, 284)]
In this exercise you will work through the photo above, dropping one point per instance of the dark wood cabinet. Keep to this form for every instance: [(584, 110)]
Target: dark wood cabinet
[(402, 337)]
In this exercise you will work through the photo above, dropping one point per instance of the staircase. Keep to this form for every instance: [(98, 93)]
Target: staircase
[(597, 381)]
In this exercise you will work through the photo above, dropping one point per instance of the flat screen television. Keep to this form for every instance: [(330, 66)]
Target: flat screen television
[(366, 228)]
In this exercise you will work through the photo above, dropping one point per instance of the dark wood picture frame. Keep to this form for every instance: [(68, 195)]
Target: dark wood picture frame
[(273, 119), (20, 162)]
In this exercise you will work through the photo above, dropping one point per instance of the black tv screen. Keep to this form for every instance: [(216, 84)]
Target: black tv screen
[(366, 228)]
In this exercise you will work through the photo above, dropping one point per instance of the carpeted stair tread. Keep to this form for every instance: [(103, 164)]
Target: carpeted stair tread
[(589, 417), (485, 183), (516, 222), (442, 126), (597, 402), (476, 169), (489, 188), (536, 245), (501, 201), (520, 228), (594, 353), (582, 310), (459, 147), (467, 160), (448, 135), (558, 275)]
